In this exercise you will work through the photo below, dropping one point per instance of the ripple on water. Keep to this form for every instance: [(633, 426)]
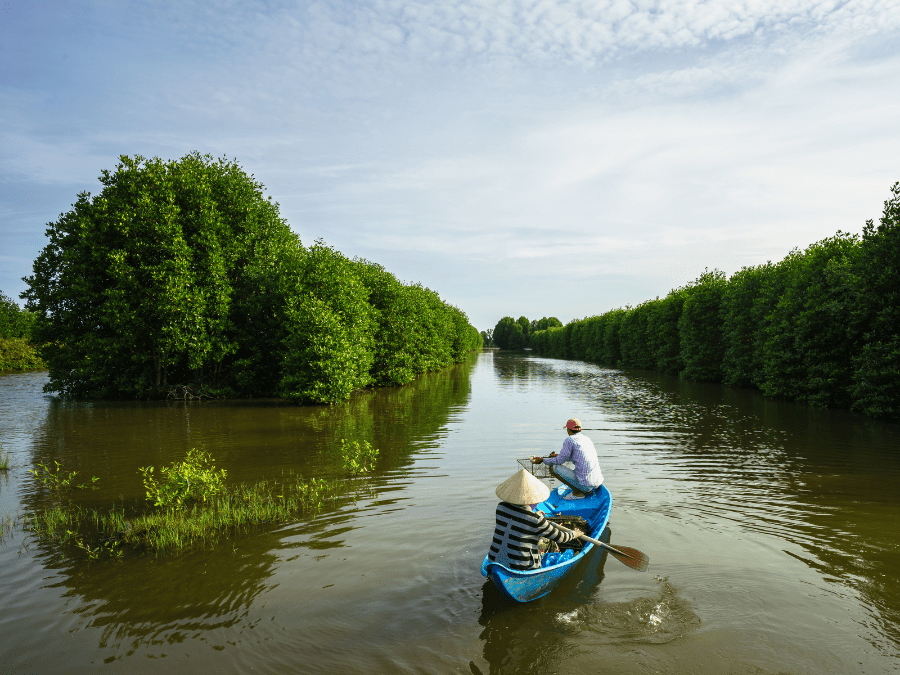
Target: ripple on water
[(655, 619)]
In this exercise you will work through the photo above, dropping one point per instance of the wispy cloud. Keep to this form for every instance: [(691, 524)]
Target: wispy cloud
[(577, 32), (579, 154)]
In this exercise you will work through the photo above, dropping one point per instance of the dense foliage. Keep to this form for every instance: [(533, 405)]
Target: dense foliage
[(15, 322), (19, 354), (16, 350), (821, 326), (190, 481), (181, 273), (512, 333)]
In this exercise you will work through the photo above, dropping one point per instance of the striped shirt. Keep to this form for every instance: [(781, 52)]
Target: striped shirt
[(580, 450), (516, 536)]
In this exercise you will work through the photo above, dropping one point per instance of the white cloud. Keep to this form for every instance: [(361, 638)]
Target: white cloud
[(334, 36), (620, 145)]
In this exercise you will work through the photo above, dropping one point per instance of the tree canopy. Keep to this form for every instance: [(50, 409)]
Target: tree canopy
[(821, 326), (512, 333), (184, 273)]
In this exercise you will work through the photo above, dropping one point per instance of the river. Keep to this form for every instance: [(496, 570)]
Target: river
[(772, 530)]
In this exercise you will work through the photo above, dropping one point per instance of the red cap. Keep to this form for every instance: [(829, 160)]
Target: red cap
[(573, 424)]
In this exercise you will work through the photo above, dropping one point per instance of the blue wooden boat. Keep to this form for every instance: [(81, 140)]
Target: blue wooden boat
[(524, 586)]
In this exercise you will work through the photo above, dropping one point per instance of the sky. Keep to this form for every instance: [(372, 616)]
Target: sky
[(520, 157)]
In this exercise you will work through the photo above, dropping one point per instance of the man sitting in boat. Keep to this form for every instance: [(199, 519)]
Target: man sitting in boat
[(580, 450), (519, 527)]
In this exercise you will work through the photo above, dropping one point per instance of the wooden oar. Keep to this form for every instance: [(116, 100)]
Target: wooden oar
[(630, 556)]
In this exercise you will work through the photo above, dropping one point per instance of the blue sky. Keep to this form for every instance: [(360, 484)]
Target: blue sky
[(530, 157)]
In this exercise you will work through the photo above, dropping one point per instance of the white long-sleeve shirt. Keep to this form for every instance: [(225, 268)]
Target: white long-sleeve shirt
[(580, 450)]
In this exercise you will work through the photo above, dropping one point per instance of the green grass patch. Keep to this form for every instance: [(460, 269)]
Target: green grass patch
[(172, 529), (190, 506)]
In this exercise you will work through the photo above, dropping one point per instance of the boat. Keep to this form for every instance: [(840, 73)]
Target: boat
[(527, 585)]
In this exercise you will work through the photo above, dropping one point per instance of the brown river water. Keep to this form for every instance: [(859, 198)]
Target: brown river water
[(772, 530)]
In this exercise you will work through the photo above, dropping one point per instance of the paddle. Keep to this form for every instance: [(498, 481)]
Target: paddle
[(630, 556)]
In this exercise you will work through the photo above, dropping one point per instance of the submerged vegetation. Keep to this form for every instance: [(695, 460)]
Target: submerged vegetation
[(180, 276), (190, 507), (358, 456), (168, 530), (821, 326), (193, 480)]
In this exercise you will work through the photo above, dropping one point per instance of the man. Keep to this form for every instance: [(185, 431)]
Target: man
[(579, 450), (519, 527)]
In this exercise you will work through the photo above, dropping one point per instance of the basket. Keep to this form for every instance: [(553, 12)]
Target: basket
[(536, 470), (570, 523)]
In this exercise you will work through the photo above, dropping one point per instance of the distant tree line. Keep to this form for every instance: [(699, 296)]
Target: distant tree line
[(512, 333), (182, 274), (16, 350), (821, 326)]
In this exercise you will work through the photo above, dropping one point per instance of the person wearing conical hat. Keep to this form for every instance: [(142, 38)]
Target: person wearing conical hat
[(580, 450), (519, 527)]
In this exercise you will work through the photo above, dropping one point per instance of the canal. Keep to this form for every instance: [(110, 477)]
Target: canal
[(772, 530)]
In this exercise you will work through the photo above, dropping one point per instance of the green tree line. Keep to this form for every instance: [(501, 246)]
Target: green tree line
[(821, 326), (182, 273), (16, 350), (512, 333)]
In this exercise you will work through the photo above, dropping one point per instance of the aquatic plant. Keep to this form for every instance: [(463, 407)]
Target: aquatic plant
[(358, 456), (193, 480), (58, 480), (55, 478), (170, 530), (4, 459), (8, 525)]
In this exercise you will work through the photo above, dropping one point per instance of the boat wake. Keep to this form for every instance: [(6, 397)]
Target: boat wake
[(657, 619)]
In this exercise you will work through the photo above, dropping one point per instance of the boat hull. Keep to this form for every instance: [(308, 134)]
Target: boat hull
[(524, 586)]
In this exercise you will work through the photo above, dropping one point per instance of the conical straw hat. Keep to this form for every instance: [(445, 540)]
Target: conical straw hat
[(522, 488)]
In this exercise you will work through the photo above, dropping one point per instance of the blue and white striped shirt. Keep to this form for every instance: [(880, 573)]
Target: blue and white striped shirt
[(580, 450), (516, 536)]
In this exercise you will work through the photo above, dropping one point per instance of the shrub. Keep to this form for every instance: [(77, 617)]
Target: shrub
[(810, 340), (19, 354), (700, 328), (634, 337), (328, 349), (742, 322), (14, 321), (662, 330), (875, 387), (193, 480), (508, 334), (358, 456)]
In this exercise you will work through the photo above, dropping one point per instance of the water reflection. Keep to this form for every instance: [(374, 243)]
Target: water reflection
[(148, 604), (529, 638), (252, 440), (546, 635), (822, 481), (771, 527)]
